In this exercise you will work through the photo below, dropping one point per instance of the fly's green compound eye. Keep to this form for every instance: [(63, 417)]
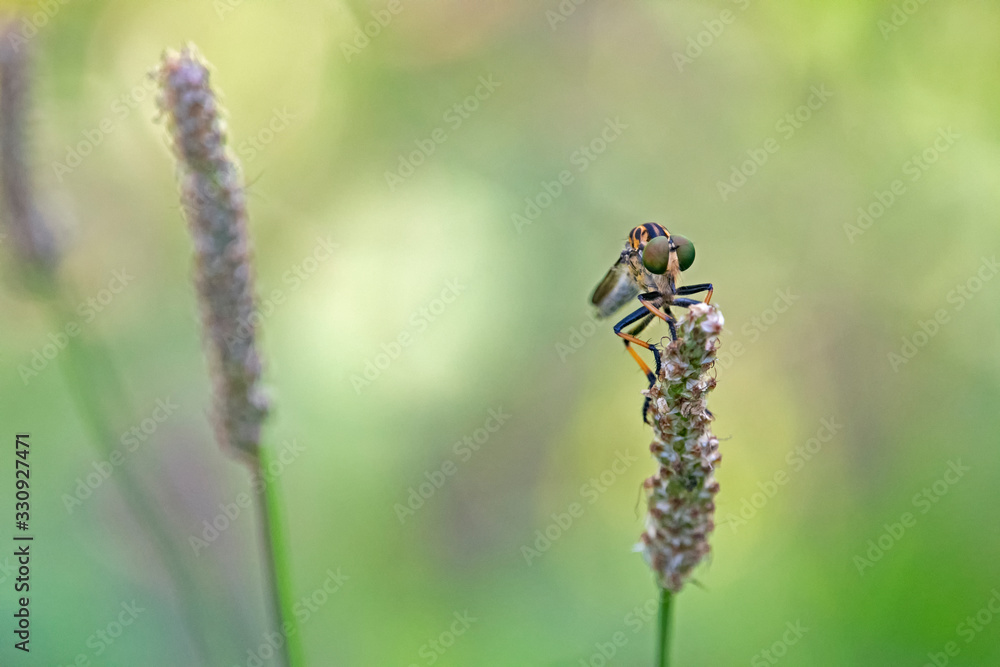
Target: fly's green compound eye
[(685, 252), (656, 255)]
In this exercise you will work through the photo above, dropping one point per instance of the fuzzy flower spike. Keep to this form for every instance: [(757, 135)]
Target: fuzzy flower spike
[(215, 207), (681, 494)]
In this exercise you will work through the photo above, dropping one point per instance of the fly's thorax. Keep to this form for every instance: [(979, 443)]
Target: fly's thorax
[(643, 278), (666, 284), (643, 233)]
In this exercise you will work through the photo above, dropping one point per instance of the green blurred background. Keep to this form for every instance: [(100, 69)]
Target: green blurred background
[(816, 305)]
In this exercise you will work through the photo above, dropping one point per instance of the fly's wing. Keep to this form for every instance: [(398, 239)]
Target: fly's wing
[(617, 289)]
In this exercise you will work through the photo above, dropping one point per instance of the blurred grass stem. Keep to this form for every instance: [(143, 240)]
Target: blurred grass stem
[(80, 369)]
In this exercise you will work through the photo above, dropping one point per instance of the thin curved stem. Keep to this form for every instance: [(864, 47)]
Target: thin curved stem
[(80, 377), (276, 570)]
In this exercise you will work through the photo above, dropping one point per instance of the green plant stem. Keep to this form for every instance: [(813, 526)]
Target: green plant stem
[(276, 565), (75, 370), (663, 640)]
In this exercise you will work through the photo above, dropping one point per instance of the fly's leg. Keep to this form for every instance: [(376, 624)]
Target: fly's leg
[(641, 319), (645, 300), (686, 303), (688, 290)]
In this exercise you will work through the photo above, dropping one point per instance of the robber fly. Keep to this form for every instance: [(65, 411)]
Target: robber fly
[(649, 268)]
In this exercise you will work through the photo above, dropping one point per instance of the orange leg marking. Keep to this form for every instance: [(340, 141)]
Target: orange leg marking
[(656, 311)]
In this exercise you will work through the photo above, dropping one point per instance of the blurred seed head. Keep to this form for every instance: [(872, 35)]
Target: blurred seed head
[(214, 204), (681, 495), (31, 238)]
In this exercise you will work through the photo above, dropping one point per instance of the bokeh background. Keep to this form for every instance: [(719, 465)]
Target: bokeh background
[(364, 234)]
